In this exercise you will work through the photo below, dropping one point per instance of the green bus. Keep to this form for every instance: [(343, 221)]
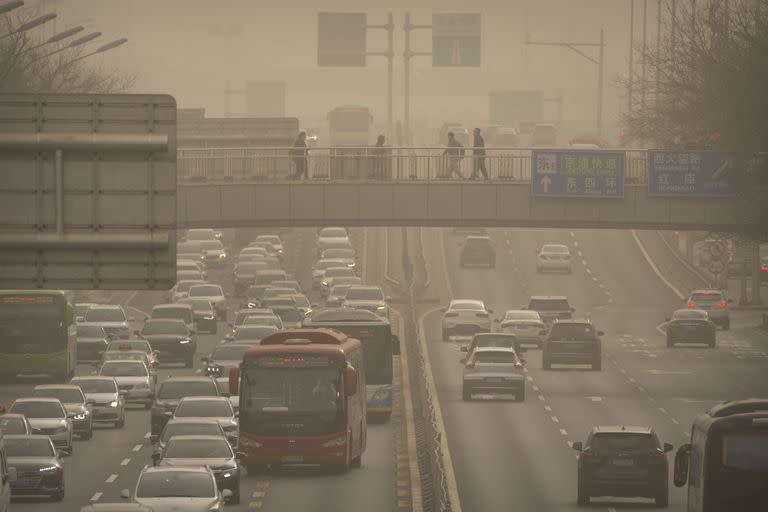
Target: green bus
[(37, 334), (726, 463)]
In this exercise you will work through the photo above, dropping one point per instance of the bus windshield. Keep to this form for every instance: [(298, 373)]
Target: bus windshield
[(745, 451), (292, 392)]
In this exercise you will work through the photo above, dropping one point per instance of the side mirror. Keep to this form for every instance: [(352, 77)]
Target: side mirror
[(395, 345), (35, 431), (154, 438), (12, 474), (464, 348), (225, 394), (241, 455), (668, 447), (156, 352), (90, 402), (523, 361), (682, 458), (156, 456), (192, 332), (389, 299), (131, 318), (169, 414), (600, 333), (489, 310), (578, 446), (205, 359), (125, 494), (350, 380)]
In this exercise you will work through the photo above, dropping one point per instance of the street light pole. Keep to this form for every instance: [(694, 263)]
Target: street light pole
[(9, 6), (600, 61), (45, 18), (58, 37), (77, 42), (101, 49)]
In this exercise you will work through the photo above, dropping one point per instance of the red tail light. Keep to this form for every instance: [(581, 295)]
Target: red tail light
[(690, 304), (470, 365), (764, 268), (721, 304), (589, 457), (518, 364)]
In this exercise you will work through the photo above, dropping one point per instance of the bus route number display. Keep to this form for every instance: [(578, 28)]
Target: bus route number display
[(294, 361)]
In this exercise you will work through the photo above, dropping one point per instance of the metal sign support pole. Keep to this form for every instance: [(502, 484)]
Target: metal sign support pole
[(408, 54), (390, 56)]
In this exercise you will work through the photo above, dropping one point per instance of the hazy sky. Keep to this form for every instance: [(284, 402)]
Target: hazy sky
[(190, 48)]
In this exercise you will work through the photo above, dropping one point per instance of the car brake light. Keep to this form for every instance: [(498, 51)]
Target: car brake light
[(518, 364), (764, 268), (470, 365), (690, 304), (589, 457), (721, 304)]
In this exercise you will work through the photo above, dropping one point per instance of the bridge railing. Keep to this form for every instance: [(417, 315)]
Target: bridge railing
[(368, 164)]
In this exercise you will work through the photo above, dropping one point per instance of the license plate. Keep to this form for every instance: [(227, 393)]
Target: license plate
[(293, 458), (623, 462), (494, 380)]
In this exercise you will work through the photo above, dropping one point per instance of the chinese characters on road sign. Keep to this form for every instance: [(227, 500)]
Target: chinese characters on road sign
[(563, 173), (693, 173)]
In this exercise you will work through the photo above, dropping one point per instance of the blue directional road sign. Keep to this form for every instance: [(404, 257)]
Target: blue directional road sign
[(693, 173), (575, 173)]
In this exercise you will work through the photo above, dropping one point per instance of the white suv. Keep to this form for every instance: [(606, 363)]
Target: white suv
[(465, 317)]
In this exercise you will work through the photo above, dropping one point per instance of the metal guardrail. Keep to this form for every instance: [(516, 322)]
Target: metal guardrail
[(369, 164)]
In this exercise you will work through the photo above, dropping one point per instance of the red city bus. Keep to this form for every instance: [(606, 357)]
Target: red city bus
[(302, 400)]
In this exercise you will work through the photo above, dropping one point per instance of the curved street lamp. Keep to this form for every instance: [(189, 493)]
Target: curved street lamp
[(102, 49), (77, 42), (58, 37), (45, 18), (9, 6)]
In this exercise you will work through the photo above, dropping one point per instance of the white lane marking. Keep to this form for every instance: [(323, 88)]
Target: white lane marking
[(541, 397), (663, 410), (660, 328), (596, 398), (611, 509), (137, 447), (584, 262), (601, 285), (125, 462), (610, 300), (97, 496), (575, 243), (589, 271), (199, 370), (622, 370), (555, 419), (111, 478), (594, 278), (535, 388), (655, 268), (632, 380), (563, 432), (547, 408), (147, 435), (675, 421), (530, 379), (641, 389), (669, 372), (571, 233), (581, 255), (570, 444)]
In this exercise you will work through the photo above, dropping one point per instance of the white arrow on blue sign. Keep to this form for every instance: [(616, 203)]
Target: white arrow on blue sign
[(577, 173), (673, 173)]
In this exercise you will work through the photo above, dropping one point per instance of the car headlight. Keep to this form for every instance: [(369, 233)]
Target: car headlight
[(381, 308), (48, 468), (81, 416), (351, 265), (338, 441), (113, 403), (184, 341), (222, 256), (325, 283), (209, 318)]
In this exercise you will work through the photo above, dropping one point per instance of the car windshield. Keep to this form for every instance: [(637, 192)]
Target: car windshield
[(178, 313), (273, 388), (549, 305), (254, 332), (301, 301), (91, 331), (178, 389), (12, 425), (211, 245), (493, 357), (204, 408), (176, 484), (275, 292), (333, 233), (339, 271), (198, 449), (65, 395), (374, 294), (272, 239), (198, 304), (573, 331), (340, 290), (278, 301), (229, 353), (206, 428), (201, 234), (33, 446), (124, 369), (129, 345), (38, 409), (706, 297), (164, 327), (114, 355), (263, 320), (339, 253), (205, 290), (521, 315), (96, 385), (555, 249), (184, 286), (494, 340), (622, 442), (467, 305), (104, 315), (289, 315), (80, 309), (689, 314), (326, 264), (250, 267)]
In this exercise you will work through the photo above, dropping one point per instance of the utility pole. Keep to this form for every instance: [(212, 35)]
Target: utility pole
[(656, 95), (408, 54), (631, 54), (558, 100), (600, 62), (643, 56), (389, 54)]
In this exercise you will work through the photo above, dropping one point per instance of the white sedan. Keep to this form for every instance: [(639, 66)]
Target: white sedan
[(554, 258), (465, 317), (526, 325)]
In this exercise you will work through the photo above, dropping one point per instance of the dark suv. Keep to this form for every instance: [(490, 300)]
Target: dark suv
[(572, 342), (550, 307), (478, 250), (623, 461)]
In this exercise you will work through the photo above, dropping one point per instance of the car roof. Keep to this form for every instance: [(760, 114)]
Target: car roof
[(24, 436), (11, 415), (186, 469), (192, 419), (706, 291), (187, 378), (205, 399), (172, 305), (572, 321), (161, 320), (364, 287), (549, 297), (619, 429), (489, 334), (37, 399), (495, 349), (198, 437), (478, 237), (113, 361), (116, 507), (57, 386), (78, 378), (106, 306)]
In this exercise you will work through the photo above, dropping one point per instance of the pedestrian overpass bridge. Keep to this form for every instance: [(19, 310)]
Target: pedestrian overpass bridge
[(241, 187)]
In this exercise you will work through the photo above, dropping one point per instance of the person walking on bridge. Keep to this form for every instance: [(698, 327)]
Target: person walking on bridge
[(478, 152), (454, 152), (299, 156)]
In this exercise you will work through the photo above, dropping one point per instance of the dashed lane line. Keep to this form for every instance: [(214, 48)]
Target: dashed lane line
[(541, 397), (147, 435), (97, 496), (111, 478), (137, 447), (125, 462), (555, 419), (563, 432), (547, 408)]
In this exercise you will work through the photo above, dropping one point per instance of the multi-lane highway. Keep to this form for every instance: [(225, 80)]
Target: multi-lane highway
[(508, 454), (111, 461)]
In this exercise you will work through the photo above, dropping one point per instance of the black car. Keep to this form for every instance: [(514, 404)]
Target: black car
[(478, 250), (171, 391), (691, 326), (205, 314), (92, 340), (623, 461), (572, 342), (39, 471), (171, 338)]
